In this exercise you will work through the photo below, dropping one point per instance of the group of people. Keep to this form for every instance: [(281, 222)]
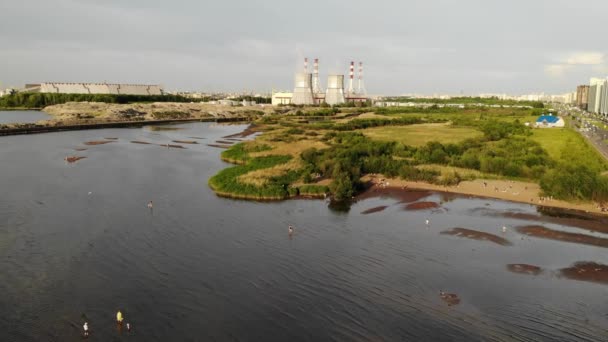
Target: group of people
[(119, 320)]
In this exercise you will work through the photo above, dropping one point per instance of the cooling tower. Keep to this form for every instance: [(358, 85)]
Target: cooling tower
[(335, 90), (302, 93)]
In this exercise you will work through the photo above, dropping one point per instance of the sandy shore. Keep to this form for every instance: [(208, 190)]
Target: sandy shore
[(522, 192)]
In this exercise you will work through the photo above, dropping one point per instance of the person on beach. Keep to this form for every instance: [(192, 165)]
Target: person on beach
[(119, 317), (85, 327), (150, 205)]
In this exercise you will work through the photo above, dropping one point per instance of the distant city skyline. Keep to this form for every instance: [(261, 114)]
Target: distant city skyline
[(433, 47)]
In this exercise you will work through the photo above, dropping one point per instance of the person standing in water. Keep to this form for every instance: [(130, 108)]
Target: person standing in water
[(86, 329), (119, 317), (290, 230), (150, 206)]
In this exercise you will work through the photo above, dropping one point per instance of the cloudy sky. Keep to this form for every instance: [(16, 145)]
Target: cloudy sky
[(431, 46)]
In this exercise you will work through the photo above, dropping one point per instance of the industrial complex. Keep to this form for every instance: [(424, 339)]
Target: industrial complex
[(308, 91), (94, 88)]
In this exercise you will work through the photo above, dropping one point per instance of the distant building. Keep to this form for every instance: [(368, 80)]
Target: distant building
[(595, 94), (582, 96), (281, 98), (547, 121), (94, 88), (603, 107)]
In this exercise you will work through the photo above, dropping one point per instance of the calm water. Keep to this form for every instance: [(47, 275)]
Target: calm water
[(22, 116), (203, 268)]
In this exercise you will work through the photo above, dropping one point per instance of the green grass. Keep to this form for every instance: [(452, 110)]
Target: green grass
[(566, 144), (226, 182), (420, 134)]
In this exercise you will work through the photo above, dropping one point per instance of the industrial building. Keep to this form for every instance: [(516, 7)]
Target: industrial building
[(308, 90), (94, 88)]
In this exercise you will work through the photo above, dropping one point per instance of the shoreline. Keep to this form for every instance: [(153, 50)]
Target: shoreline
[(517, 192), (33, 128)]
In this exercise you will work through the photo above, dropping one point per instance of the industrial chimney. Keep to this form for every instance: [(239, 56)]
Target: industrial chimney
[(360, 86), (316, 85), (351, 74), (335, 90)]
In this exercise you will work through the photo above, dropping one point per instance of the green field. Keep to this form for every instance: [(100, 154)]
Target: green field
[(567, 144), (418, 135)]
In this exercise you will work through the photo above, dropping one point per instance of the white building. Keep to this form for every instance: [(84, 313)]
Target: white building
[(603, 108), (281, 98), (595, 94)]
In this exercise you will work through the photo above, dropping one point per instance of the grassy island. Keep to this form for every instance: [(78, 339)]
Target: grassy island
[(313, 151)]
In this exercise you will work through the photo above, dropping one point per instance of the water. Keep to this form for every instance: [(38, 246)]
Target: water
[(22, 116), (200, 268)]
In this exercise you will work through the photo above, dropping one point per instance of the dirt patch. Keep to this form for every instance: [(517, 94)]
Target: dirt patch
[(587, 271), (449, 298), (546, 233), (422, 205), (224, 142), (185, 141), (402, 195), (524, 269), (98, 142), (219, 146), (374, 210), (477, 235), (140, 142), (72, 159)]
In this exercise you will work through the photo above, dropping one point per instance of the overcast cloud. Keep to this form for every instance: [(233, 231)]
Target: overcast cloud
[(432, 46)]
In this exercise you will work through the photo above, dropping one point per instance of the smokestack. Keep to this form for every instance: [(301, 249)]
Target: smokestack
[(316, 85), (351, 85), (305, 65), (360, 86)]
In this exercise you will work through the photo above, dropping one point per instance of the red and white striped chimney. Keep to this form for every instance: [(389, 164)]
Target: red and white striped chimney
[(305, 64), (351, 86), (360, 85)]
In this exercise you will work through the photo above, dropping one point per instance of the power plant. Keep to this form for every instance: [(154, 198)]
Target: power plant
[(335, 90), (308, 91)]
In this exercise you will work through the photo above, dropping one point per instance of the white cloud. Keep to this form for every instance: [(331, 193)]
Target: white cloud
[(586, 58)]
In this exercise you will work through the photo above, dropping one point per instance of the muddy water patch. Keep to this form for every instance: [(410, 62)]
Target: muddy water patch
[(401, 195), (550, 234), (98, 142), (163, 128), (477, 235), (191, 142), (140, 142), (374, 209), (73, 159), (524, 269), (422, 206), (587, 271)]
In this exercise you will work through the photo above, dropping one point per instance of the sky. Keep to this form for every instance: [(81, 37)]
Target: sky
[(424, 47)]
